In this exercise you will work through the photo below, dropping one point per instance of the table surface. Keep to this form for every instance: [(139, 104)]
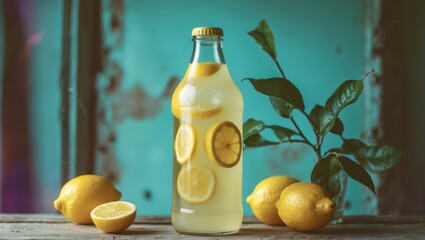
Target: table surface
[(51, 226)]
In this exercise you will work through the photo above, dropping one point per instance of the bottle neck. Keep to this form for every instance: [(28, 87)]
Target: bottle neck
[(207, 49)]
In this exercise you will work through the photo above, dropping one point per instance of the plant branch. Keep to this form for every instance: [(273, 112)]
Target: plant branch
[(311, 123), (280, 68), (367, 74), (318, 146), (300, 132), (294, 141)]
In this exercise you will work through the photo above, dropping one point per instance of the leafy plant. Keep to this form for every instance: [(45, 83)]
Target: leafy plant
[(285, 98)]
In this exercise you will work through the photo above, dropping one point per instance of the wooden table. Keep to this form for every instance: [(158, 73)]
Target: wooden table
[(44, 226)]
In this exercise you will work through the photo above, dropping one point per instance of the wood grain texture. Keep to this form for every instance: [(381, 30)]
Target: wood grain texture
[(44, 226)]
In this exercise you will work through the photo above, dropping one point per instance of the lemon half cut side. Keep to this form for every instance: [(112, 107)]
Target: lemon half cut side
[(113, 217)]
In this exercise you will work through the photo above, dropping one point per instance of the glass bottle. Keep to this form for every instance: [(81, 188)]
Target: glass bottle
[(207, 166)]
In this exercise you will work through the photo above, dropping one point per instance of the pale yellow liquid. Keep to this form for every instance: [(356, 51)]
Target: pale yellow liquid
[(222, 212)]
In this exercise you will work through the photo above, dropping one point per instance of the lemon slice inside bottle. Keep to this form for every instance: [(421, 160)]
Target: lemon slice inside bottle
[(204, 69), (195, 183), (223, 144), (200, 112), (184, 143)]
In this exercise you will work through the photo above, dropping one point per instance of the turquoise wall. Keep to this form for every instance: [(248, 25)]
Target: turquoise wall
[(319, 45)]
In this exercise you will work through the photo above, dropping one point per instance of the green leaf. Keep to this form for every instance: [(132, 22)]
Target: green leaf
[(356, 172), (282, 107), (282, 132), (263, 35), (347, 93), (326, 174), (314, 117), (338, 127), (351, 146), (251, 127), (377, 158), (257, 140), (337, 150), (280, 88)]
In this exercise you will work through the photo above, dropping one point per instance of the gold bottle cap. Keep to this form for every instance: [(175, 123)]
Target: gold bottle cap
[(207, 31)]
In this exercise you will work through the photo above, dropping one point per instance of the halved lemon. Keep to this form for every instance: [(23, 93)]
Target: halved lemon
[(195, 183), (113, 217), (204, 69), (223, 144), (184, 143)]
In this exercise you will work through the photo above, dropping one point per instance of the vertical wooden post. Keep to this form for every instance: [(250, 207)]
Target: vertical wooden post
[(16, 188), (89, 52), (372, 90), (65, 86), (387, 106)]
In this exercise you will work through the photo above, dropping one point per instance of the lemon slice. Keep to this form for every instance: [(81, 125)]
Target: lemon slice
[(223, 144), (204, 69), (113, 217), (195, 183), (184, 143), (200, 112)]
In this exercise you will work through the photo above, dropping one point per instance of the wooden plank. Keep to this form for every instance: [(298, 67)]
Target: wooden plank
[(44, 226)]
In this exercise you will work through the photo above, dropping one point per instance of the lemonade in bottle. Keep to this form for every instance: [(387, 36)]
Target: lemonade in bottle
[(207, 166)]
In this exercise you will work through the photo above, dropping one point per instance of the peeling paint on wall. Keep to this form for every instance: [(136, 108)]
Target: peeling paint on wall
[(115, 103)]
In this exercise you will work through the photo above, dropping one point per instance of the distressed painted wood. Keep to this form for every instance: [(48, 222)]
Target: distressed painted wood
[(65, 83), (57, 227), (372, 129), (89, 64), (108, 88), (391, 31), (393, 191)]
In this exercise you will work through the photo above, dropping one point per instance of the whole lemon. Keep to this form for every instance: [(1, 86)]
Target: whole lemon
[(79, 196), (305, 207), (263, 198)]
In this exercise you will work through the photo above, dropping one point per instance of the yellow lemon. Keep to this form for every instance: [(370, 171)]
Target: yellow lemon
[(114, 217), (195, 183), (204, 69), (305, 207), (223, 143), (184, 144), (79, 196), (262, 200)]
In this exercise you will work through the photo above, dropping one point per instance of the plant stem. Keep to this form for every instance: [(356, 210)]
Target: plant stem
[(318, 146), (367, 74), (280, 69), (301, 133), (294, 141), (308, 118)]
